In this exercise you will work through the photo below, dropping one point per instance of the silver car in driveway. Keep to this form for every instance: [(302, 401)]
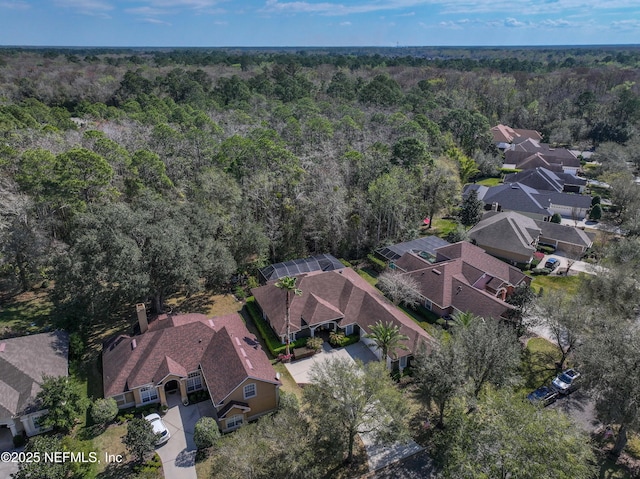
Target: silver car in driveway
[(566, 382), (158, 428)]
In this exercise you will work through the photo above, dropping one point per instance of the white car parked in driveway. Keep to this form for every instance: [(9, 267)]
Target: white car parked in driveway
[(158, 428)]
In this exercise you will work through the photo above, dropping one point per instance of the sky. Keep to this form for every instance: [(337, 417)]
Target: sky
[(384, 23)]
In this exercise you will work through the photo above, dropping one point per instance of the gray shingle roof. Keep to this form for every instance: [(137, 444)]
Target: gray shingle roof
[(565, 234), (538, 178), (565, 199), (515, 197), (506, 231), (426, 244), (23, 362)]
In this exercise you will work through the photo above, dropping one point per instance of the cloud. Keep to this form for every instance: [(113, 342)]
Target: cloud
[(173, 7), (456, 25), (192, 4), (155, 21), (559, 23), (15, 5), (329, 8), (626, 24), (87, 7), (345, 24), (147, 11), (513, 23)]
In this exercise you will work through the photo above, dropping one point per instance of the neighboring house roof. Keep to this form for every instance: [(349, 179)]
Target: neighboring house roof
[(522, 151), (484, 262), (523, 198), (570, 200), (462, 277), (513, 196), (507, 231), (343, 296), (544, 179), (538, 178), (322, 262), (565, 234), (222, 347), (23, 362), (505, 134), (426, 244), (513, 232)]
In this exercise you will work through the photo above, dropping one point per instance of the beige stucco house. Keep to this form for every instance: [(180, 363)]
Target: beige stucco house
[(185, 353)]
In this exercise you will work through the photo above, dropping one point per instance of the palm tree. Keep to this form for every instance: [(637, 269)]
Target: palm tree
[(288, 283), (463, 320), (388, 338)]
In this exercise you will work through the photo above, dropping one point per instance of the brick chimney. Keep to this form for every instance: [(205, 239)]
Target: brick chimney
[(142, 317)]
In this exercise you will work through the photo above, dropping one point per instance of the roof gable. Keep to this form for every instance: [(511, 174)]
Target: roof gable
[(23, 362), (506, 231), (222, 347), (327, 294)]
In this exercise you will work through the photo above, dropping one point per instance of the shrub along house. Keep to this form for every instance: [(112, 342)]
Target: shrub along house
[(180, 354), (23, 363), (338, 301)]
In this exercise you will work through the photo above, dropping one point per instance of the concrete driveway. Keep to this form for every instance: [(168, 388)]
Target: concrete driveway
[(383, 455), (178, 454), (299, 370), (576, 267)]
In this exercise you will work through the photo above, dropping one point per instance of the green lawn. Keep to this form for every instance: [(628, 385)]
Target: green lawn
[(369, 275), (610, 470), (538, 363), (440, 227), (288, 383), (26, 313), (567, 284), (489, 182), (426, 322)]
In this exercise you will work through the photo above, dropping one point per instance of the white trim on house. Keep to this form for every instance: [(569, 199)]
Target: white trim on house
[(234, 422), (275, 383), (194, 381), (149, 394), (120, 401), (250, 391)]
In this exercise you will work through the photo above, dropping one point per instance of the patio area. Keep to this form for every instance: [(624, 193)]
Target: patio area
[(299, 370)]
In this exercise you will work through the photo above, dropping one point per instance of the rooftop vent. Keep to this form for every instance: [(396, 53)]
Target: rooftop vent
[(249, 364), (2, 346), (134, 344), (237, 341), (436, 271), (211, 323)]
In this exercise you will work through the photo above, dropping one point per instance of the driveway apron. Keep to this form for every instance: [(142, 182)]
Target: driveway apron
[(178, 454)]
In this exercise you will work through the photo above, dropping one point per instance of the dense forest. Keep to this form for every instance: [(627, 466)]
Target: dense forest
[(129, 175)]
